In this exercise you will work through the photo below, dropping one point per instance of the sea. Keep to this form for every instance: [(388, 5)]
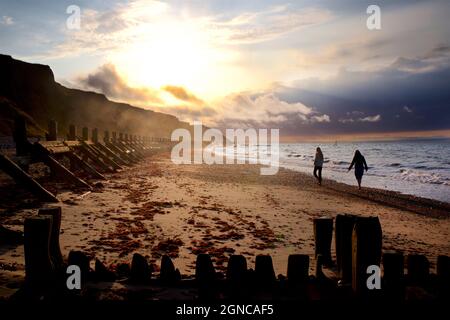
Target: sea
[(414, 167)]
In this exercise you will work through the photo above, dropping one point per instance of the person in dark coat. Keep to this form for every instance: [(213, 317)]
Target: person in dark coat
[(360, 164), (318, 164)]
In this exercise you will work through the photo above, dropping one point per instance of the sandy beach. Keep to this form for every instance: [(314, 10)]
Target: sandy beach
[(157, 207)]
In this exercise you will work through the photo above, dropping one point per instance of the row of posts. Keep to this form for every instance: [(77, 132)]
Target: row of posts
[(358, 244), (53, 135)]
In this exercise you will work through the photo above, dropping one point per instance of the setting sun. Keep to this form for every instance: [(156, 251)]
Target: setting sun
[(179, 53)]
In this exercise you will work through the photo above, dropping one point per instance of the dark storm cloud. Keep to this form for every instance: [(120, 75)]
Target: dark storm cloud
[(412, 94)]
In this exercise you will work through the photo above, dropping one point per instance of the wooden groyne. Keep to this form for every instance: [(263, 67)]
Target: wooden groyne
[(352, 276), (74, 157)]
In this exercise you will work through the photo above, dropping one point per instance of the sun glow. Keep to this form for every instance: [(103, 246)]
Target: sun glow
[(176, 53)]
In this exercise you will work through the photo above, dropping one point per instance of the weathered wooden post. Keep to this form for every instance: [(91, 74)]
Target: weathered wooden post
[(343, 244), (237, 267), (319, 264), (39, 268), (114, 136), (120, 136), (237, 276), (204, 269), (168, 273), (72, 136), (205, 276), (102, 273), (298, 268), (393, 275), (106, 136), (366, 251), (55, 250), (52, 131), (443, 274), (418, 269), (20, 136), (85, 134), (323, 234), (140, 271), (95, 135), (264, 272)]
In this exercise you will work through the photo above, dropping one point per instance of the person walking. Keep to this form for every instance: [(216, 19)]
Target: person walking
[(360, 164), (318, 164)]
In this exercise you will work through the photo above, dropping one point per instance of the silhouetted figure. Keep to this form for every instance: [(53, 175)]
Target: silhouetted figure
[(318, 164), (360, 164)]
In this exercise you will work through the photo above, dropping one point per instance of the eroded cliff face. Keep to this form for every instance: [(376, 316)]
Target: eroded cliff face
[(31, 90)]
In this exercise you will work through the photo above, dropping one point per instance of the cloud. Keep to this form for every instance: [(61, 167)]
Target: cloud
[(354, 51), (107, 31), (370, 118), (190, 113), (355, 113), (6, 21), (435, 59), (253, 27), (264, 109), (374, 100), (104, 32), (182, 94), (322, 118), (407, 109), (107, 80), (348, 120), (182, 103), (374, 118)]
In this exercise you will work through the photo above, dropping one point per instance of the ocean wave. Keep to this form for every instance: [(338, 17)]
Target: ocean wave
[(423, 177), (395, 164), (340, 163)]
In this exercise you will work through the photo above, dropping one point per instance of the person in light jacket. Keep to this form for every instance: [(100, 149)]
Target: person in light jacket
[(318, 164)]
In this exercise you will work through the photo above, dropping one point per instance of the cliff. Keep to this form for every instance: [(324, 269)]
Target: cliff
[(30, 90)]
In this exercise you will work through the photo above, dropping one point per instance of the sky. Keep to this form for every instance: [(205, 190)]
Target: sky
[(312, 69)]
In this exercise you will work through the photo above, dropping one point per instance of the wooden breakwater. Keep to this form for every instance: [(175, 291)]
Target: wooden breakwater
[(352, 276), (74, 156)]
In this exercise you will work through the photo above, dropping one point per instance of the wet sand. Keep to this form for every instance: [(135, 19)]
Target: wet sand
[(157, 207)]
